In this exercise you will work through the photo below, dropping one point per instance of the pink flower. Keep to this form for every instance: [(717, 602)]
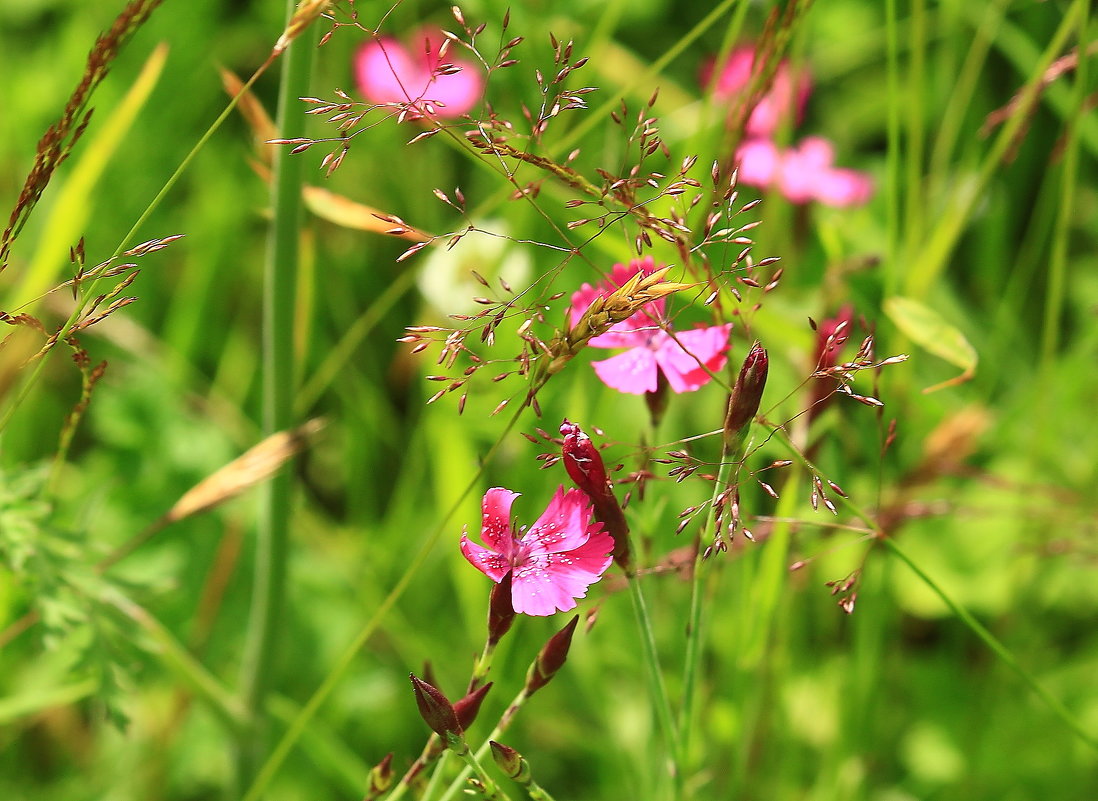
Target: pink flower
[(387, 73), (803, 172), (651, 348), (787, 96), (553, 562)]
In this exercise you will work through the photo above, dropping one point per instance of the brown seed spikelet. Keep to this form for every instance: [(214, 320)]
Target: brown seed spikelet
[(60, 138)]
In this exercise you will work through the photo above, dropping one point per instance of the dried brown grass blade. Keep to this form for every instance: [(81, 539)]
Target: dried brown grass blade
[(350, 214), (254, 466), (255, 115)]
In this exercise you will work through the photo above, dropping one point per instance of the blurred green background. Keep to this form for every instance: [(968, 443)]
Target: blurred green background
[(988, 486)]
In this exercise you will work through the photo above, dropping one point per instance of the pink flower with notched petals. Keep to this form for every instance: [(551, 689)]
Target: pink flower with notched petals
[(802, 173), (786, 98), (683, 359), (388, 73), (553, 562)]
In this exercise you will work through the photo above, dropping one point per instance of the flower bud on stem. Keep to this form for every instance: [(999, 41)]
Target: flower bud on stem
[(501, 616), (381, 777), (551, 658), (435, 709), (512, 763), (743, 403), (584, 464), (465, 710), (501, 612)]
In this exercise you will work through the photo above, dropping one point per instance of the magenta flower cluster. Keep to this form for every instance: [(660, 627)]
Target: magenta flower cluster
[(803, 172), (686, 358), (417, 79), (553, 562)]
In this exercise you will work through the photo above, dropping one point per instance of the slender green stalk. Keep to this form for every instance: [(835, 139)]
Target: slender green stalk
[(295, 730), (434, 750), (280, 283), (893, 265), (963, 614), (913, 102), (88, 291), (459, 782), (432, 785), (963, 91), (492, 792), (645, 78), (695, 626), (176, 656), (934, 253), (1054, 298), (341, 353), (656, 687), (537, 792), (1054, 704)]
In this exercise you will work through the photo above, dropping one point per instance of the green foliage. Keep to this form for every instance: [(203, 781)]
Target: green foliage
[(52, 571), (976, 249)]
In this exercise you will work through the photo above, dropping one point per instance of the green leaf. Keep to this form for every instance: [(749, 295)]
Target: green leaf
[(930, 331)]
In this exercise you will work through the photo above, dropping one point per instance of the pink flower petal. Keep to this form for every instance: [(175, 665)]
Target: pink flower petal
[(562, 526), (842, 187), (804, 168), (786, 99), (797, 180), (495, 529), (560, 556), (587, 562), (814, 153), (386, 72), (536, 589), (490, 563), (548, 583), (633, 372), (459, 91), (709, 346), (806, 174), (759, 162), (735, 73)]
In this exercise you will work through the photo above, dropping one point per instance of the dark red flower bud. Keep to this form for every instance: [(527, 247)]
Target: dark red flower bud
[(381, 778), (467, 708), (501, 611), (435, 708), (510, 761), (585, 467), (583, 461), (743, 403), (551, 658)]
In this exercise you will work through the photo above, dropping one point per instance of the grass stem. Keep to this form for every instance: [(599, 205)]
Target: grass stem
[(1052, 702), (656, 686), (279, 293)]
